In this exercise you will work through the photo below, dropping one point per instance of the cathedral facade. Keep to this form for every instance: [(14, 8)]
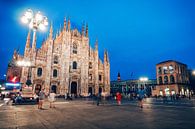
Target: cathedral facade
[(66, 64)]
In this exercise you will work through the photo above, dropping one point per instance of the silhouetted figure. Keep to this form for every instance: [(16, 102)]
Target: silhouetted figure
[(141, 95), (98, 98)]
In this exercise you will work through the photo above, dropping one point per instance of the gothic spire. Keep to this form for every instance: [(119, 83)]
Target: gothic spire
[(68, 24), (96, 44), (86, 31), (15, 54), (28, 40), (51, 31), (83, 30), (65, 24), (106, 58)]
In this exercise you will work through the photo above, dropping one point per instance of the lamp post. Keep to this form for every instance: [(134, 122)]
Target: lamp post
[(35, 21)]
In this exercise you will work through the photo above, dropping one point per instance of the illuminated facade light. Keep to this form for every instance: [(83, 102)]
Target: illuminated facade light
[(24, 63), (143, 79), (12, 84)]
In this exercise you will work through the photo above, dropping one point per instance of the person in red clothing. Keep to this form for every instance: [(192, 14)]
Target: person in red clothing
[(118, 98)]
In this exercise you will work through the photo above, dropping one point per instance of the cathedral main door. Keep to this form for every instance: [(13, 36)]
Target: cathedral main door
[(54, 88), (100, 90), (90, 90), (74, 88)]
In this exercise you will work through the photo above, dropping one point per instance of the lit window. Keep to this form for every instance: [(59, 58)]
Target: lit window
[(165, 80), (161, 93), (90, 77), (171, 69), (165, 69)]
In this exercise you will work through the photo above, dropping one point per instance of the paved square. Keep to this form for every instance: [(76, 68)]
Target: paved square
[(86, 115)]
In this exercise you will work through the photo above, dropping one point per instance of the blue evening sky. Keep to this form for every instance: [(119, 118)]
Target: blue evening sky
[(138, 34)]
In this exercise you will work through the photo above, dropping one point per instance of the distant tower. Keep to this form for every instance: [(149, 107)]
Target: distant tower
[(119, 77)]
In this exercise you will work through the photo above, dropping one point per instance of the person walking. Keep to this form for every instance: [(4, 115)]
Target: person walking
[(98, 99), (141, 94), (41, 99), (118, 98), (52, 99)]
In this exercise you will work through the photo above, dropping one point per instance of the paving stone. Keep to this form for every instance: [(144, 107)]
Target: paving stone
[(86, 115)]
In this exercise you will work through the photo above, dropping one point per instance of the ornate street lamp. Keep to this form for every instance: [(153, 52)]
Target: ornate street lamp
[(35, 21)]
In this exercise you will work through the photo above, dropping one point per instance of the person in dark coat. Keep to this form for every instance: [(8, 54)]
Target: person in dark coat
[(98, 99)]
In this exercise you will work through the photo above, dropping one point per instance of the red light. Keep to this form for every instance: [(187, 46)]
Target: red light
[(14, 79)]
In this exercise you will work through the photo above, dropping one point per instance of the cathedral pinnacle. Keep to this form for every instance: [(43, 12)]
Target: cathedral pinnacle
[(68, 24), (51, 31), (96, 44), (106, 58), (86, 31), (83, 30), (65, 24), (28, 40)]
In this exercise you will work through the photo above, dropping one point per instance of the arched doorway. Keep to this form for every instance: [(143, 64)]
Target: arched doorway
[(54, 88), (100, 89), (90, 90), (37, 88), (74, 88)]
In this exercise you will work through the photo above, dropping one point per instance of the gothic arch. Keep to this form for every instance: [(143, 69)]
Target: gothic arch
[(172, 79), (166, 80)]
